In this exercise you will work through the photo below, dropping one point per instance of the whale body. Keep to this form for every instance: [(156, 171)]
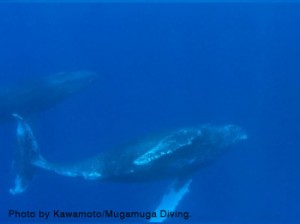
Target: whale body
[(176, 154), (37, 95), (173, 155)]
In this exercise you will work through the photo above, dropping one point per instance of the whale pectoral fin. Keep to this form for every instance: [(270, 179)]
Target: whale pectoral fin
[(177, 190)]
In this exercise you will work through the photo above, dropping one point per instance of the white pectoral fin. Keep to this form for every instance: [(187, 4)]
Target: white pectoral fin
[(171, 199)]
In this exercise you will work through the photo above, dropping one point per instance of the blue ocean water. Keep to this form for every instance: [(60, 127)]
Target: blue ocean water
[(161, 66)]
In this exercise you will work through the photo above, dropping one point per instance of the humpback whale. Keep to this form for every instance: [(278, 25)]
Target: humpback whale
[(37, 95), (172, 155)]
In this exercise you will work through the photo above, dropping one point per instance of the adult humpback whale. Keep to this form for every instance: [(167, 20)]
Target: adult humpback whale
[(36, 95), (176, 155)]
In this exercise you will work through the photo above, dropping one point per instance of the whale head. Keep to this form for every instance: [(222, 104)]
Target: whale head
[(70, 82), (231, 134), (213, 141)]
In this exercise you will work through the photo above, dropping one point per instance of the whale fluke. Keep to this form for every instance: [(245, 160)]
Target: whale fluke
[(26, 153)]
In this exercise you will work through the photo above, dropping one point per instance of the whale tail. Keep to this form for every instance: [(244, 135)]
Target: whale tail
[(26, 155), (28, 158)]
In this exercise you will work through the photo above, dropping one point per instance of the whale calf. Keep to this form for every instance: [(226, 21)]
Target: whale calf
[(37, 95), (172, 155)]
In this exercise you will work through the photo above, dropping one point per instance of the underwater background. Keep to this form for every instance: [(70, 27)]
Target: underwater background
[(161, 66)]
